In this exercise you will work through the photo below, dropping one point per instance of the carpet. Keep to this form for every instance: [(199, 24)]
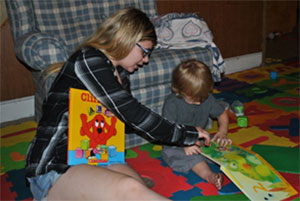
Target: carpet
[(272, 110)]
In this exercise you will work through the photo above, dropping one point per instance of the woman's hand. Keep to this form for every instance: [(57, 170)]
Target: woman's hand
[(204, 134)]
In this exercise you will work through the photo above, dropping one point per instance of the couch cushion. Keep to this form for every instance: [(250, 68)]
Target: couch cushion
[(75, 20), (161, 64)]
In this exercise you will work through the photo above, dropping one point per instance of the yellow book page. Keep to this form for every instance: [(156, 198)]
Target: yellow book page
[(93, 134)]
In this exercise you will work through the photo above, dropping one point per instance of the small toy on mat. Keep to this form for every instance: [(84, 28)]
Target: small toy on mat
[(237, 108), (242, 121), (293, 127), (273, 75)]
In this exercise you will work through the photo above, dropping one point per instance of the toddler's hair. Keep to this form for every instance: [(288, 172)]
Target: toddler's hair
[(192, 79)]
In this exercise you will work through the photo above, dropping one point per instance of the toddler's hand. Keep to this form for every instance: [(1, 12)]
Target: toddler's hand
[(222, 140), (190, 150)]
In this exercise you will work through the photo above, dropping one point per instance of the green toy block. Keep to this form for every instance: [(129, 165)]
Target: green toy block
[(85, 144), (239, 109), (242, 121)]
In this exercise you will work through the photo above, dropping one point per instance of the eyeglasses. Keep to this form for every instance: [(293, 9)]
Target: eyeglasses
[(145, 51)]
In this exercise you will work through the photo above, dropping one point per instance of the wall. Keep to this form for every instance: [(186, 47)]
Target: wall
[(238, 26), (15, 80), (3, 13), (238, 29)]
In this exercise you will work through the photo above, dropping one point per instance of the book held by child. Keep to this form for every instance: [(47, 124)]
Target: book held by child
[(95, 136)]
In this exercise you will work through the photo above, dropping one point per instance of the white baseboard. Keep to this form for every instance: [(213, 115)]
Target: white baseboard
[(16, 109), (24, 107), (243, 62)]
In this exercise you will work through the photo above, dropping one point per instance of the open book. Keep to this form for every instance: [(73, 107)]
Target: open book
[(256, 178), (95, 137)]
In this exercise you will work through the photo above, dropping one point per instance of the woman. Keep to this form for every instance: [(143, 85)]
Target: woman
[(101, 65)]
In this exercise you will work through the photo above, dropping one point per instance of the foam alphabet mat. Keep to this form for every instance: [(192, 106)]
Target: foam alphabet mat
[(270, 128)]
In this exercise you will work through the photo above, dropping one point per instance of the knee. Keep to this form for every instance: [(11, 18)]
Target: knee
[(131, 185)]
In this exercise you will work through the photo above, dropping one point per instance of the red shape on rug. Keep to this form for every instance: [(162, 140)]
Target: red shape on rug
[(18, 133), (254, 141), (166, 182), (294, 180), (283, 119), (207, 188), (6, 193), (16, 156), (210, 189), (286, 101)]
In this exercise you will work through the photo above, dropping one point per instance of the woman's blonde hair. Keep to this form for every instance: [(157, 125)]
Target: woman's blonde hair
[(118, 34), (192, 79)]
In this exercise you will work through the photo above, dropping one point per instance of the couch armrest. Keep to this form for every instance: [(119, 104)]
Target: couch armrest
[(39, 50)]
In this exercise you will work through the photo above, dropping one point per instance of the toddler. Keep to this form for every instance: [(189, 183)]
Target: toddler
[(191, 103)]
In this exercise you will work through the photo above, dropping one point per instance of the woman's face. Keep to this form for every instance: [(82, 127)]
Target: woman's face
[(137, 57)]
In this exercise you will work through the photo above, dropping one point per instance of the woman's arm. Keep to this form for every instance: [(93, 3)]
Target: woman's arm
[(97, 74)]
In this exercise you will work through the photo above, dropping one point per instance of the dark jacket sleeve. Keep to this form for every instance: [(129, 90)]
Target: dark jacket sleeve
[(98, 75)]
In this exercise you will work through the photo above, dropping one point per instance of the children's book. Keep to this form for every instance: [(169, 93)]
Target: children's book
[(95, 136), (255, 177)]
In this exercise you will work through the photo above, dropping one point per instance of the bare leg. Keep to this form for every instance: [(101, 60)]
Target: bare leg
[(86, 182), (204, 171), (126, 169)]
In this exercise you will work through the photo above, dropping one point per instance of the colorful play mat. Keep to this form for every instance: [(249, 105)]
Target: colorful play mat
[(270, 97)]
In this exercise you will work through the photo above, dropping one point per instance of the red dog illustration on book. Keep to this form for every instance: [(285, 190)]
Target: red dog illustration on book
[(97, 129)]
